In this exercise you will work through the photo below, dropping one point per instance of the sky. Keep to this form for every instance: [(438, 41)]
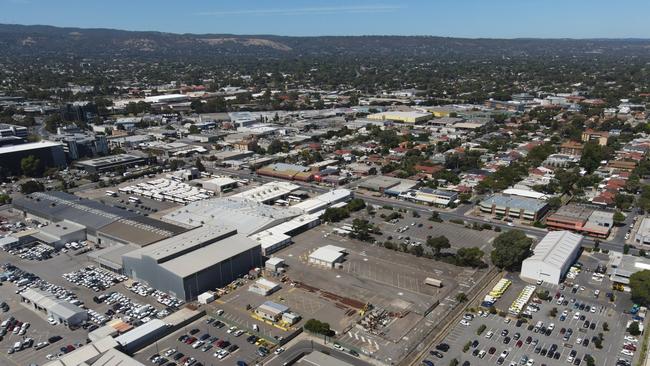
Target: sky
[(449, 18)]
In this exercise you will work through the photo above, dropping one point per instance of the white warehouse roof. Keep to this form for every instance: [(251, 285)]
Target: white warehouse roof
[(328, 253), (556, 247)]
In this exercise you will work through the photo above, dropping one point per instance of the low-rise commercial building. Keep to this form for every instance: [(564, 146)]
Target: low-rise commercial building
[(517, 207), (264, 287), (111, 163), (552, 258), (399, 116), (582, 219), (270, 310), (47, 304), (642, 235)]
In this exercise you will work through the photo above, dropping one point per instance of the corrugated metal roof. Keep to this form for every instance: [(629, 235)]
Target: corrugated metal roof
[(556, 247)]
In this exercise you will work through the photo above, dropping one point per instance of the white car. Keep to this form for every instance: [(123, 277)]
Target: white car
[(223, 354), (231, 329), (52, 321), (489, 334), (239, 332), (505, 353), (530, 362), (627, 352), (631, 339), (464, 322), (170, 352), (279, 350)]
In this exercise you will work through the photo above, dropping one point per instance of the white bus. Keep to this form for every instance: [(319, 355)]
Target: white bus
[(134, 199), (111, 194)]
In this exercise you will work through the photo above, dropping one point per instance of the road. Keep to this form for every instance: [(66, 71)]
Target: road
[(304, 347)]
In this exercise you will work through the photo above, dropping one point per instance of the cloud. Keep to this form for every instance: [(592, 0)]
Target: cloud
[(359, 9)]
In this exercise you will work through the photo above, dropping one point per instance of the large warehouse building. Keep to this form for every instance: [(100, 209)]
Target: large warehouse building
[(553, 257), (104, 225), (194, 262)]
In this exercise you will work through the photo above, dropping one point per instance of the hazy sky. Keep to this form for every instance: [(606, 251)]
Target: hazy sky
[(455, 18)]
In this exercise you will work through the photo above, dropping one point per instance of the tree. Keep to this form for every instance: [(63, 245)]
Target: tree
[(640, 287), (461, 297), (471, 257), (31, 166), (194, 130), (333, 214), (437, 244), (416, 250), (5, 199), (619, 218), (356, 204), (275, 147), (435, 217), (554, 203), (592, 155), (32, 186), (590, 360), (361, 229), (318, 327), (510, 249), (199, 165), (176, 164), (633, 329)]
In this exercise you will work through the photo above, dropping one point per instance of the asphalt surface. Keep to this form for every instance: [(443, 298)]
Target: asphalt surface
[(304, 347)]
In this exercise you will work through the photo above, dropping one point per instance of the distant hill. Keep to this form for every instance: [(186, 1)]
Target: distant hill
[(47, 41)]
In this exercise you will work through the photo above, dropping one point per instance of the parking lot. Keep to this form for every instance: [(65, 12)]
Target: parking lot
[(104, 294), (409, 229), (215, 339), (580, 319)]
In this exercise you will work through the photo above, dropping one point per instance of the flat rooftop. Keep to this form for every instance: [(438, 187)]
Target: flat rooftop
[(109, 160), (29, 146)]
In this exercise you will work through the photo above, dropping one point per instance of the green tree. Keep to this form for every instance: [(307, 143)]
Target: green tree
[(318, 327), (4, 199), (437, 244), (435, 217), (619, 218), (461, 297), (640, 287), (31, 166), (592, 155), (633, 329), (32, 186), (194, 130), (510, 249), (275, 147), (356, 204), (333, 214), (471, 257), (199, 165), (554, 203)]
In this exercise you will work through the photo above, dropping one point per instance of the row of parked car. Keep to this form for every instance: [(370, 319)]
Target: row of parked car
[(132, 311), (96, 279), (162, 298)]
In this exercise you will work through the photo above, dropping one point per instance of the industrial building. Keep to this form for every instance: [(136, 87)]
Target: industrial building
[(327, 256), (287, 171), (57, 309), (104, 224), (111, 163), (143, 335), (263, 287), (324, 201), (50, 154), (317, 358), (399, 116), (220, 184), (515, 207), (194, 262), (279, 236), (247, 216), (81, 144), (642, 235), (622, 266), (12, 134), (388, 185), (583, 220), (270, 310), (552, 258), (269, 192)]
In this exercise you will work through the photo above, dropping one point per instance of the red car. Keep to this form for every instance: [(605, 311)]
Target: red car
[(190, 340), (219, 343), (519, 343)]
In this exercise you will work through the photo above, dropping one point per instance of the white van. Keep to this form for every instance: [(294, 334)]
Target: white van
[(482, 353)]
